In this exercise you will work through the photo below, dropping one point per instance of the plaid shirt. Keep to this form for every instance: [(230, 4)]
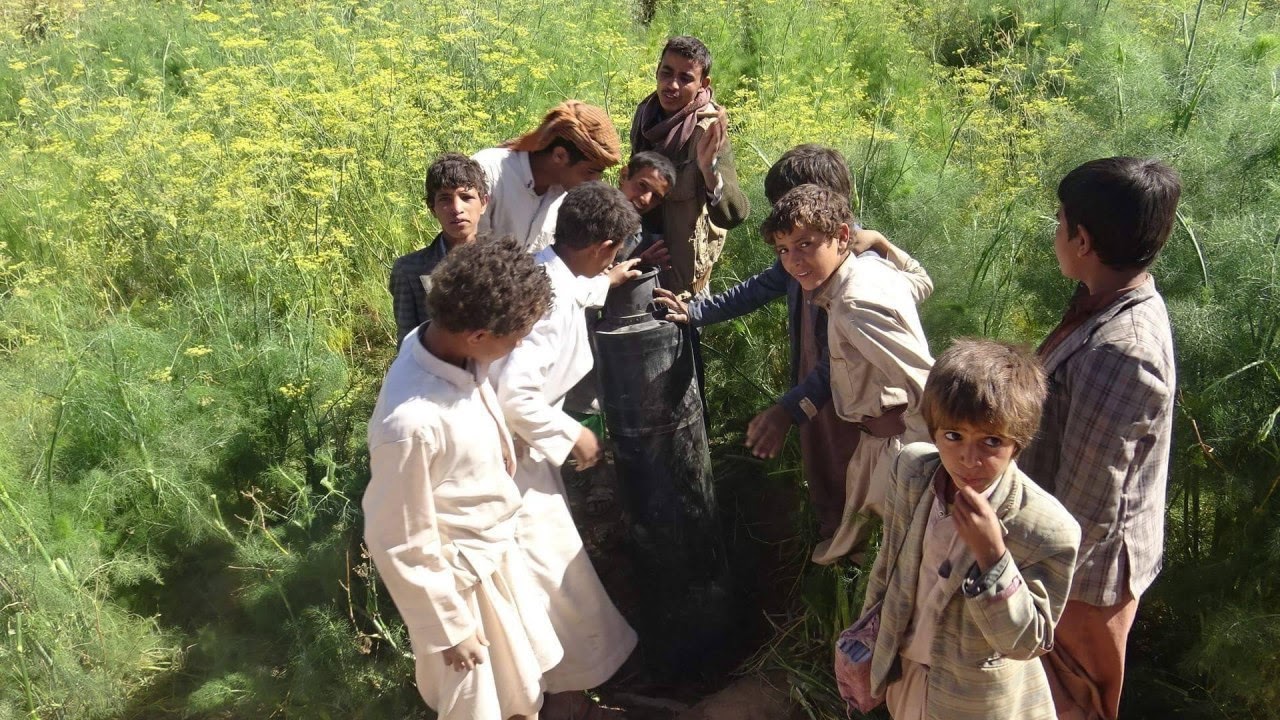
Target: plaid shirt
[(1104, 441), (410, 281)]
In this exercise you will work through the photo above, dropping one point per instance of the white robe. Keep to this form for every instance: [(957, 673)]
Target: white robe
[(531, 384), (514, 208), (440, 521)]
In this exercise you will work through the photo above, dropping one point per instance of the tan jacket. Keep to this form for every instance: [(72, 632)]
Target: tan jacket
[(693, 228), (985, 639), (879, 355)]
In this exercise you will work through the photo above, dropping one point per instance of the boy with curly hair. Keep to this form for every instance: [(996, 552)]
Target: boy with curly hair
[(976, 559), (826, 442), (879, 357), (441, 506), (457, 194)]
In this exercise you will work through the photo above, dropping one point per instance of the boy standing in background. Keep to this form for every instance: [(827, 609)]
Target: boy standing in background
[(457, 194), (1103, 448)]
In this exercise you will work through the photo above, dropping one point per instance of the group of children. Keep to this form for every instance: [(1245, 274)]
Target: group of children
[(1021, 494)]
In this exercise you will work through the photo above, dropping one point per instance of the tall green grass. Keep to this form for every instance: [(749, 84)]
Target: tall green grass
[(201, 203)]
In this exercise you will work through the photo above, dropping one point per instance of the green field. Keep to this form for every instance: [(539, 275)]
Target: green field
[(200, 203)]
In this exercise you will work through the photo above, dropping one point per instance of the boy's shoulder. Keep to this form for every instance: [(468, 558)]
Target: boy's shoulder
[(1043, 513), (491, 159), (412, 401), (869, 278), (421, 261)]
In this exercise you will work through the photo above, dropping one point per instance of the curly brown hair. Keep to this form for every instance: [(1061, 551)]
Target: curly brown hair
[(988, 384), (809, 205), (489, 284), (454, 170)]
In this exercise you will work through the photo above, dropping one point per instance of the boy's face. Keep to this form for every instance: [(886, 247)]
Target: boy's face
[(973, 456), (809, 255), (645, 188), (679, 80), (598, 258), (1067, 247), (459, 210)]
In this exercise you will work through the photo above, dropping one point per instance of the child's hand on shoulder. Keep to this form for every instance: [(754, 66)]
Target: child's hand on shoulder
[(467, 654), (862, 240), (978, 527)]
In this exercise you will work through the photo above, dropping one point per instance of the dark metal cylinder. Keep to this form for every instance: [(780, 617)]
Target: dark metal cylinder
[(653, 412)]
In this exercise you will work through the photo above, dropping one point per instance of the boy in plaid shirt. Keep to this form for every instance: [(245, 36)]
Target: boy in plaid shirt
[(457, 194), (1103, 446)]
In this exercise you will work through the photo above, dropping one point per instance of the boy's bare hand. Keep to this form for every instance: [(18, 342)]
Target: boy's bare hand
[(710, 145), (677, 309), (656, 255), (623, 272), (467, 654), (862, 240), (767, 431), (978, 527), (586, 451)]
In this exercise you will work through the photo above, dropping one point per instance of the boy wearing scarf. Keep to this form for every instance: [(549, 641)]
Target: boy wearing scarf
[(679, 120), (528, 176)]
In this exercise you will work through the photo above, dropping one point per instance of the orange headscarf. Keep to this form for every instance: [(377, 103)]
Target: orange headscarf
[(586, 126)]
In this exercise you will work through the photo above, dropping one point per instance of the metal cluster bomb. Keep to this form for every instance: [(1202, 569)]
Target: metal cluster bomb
[(653, 412)]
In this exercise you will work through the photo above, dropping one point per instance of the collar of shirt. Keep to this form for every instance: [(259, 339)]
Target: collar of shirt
[(461, 378), (524, 174), (437, 249)]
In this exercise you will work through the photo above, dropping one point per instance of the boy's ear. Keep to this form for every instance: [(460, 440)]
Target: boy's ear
[(475, 337), (623, 174), (484, 203), (1086, 240), (560, 156), (842, 237), (706, 79)]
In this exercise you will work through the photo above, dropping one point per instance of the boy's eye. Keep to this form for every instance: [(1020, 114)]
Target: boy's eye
[(993, 441), (951, 435)]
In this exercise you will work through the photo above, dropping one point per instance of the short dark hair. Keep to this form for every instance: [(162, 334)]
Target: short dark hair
[(812, 206), (688, 46), (575, 154), (489, 284), (1128, 204), (988, 384), (805, 164), (592, 213), (655, 160), (455, 170)]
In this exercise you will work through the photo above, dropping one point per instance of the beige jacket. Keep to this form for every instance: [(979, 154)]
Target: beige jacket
[(994, 623)]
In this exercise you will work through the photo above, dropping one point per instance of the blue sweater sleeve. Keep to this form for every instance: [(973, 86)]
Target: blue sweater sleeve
[(746, 296)]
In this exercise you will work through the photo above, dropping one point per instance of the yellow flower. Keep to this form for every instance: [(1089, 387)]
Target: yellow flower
[(197, 351)]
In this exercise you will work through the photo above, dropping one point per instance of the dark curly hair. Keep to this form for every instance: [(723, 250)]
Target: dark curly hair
[(690, 48), (655, 160), (804, 164), (489, 284), (593, 213), (809, 205), (455, 170)]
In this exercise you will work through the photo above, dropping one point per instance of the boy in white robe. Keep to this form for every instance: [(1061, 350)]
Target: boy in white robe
[(531, 384), (440, 509)]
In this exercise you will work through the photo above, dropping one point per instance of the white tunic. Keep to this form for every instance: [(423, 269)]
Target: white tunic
[(531, 383), (440, 521), (514, 208)]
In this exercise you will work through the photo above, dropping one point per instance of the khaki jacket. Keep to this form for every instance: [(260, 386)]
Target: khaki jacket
[(694, 229), (982, 646)]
